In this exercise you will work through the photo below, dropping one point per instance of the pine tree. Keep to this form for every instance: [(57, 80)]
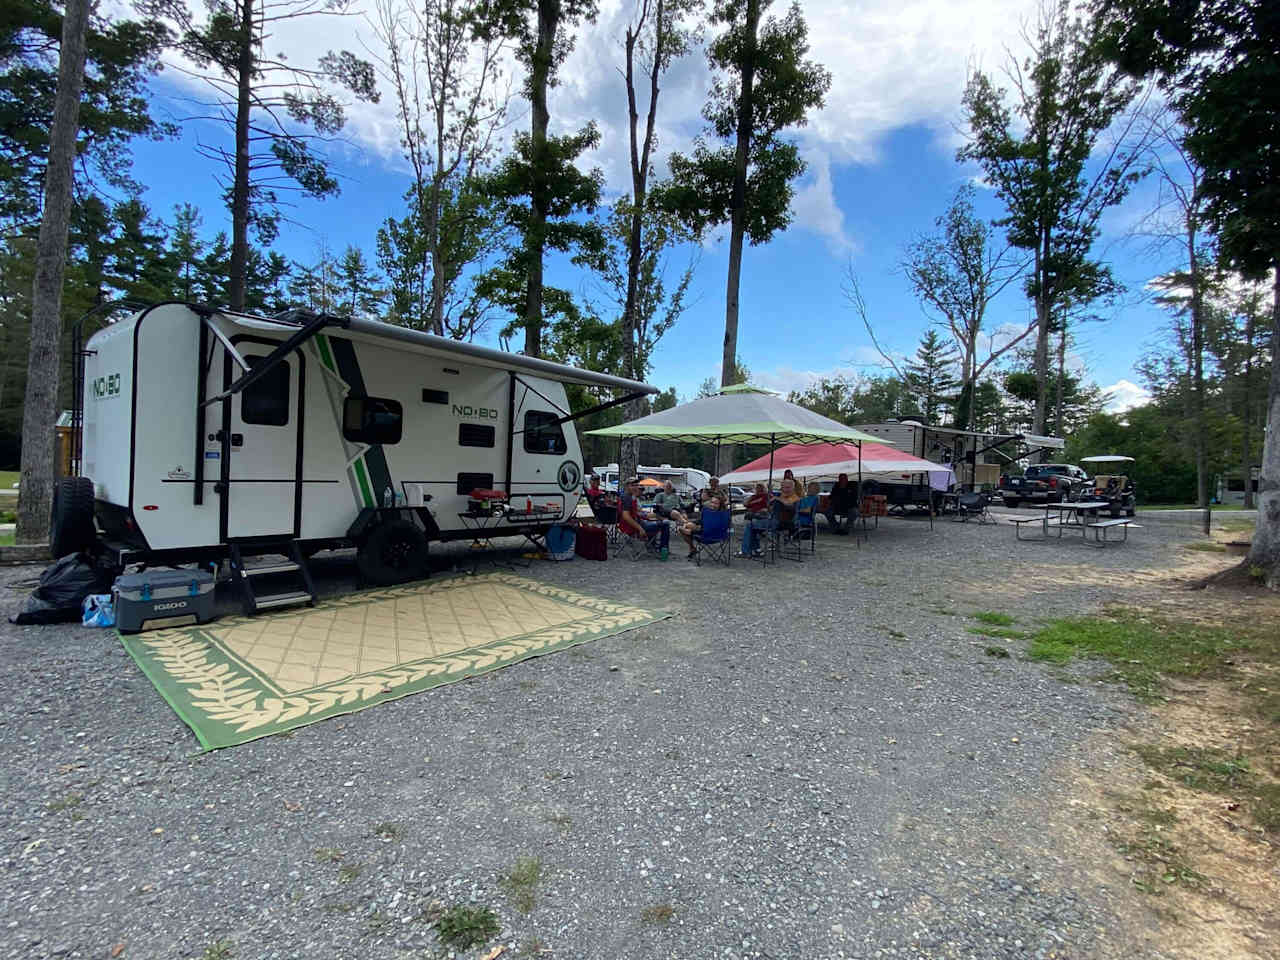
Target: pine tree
[(931, 376), (359, 296)]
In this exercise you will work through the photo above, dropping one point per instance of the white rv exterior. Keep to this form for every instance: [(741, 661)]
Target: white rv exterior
[(684, 479), (959, 449), (357, 417)]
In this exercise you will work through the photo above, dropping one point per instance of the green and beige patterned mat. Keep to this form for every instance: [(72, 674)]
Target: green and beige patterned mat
[(241, 678)]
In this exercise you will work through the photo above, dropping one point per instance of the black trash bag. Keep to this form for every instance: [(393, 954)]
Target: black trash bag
[(59, 596)]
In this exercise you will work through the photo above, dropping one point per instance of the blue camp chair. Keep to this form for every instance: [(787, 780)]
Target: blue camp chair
[(715, 539), (803, 529)]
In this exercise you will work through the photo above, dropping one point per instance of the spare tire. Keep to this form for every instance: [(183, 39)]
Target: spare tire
[(393, 552), (71, 526)]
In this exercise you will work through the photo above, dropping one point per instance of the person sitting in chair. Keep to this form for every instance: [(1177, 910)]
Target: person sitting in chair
[(841, 507), (689, 528), (712, 490), (633, 517), (594, 491), (757, 504), (784, 504), (667, 504)]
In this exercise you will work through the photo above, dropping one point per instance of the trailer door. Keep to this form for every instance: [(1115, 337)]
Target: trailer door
[(265, 424)]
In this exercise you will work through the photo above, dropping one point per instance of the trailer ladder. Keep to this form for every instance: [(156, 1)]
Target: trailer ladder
[(278, 574)]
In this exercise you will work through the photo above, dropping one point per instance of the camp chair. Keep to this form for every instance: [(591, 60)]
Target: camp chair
[(779, 524), (803, 527), (969, 505), (715, 539), (636, 542), (607, 516)]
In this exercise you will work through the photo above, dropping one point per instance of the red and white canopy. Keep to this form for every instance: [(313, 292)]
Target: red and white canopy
[(824, 461)]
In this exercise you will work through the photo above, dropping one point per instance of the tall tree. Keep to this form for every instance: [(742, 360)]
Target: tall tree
[(40, 409), (655, 38), (451, 104), (956, 272), (120, 56), (360, 296), (1217, 61), (185, 249), (276, 110), (539, 185), (742, 169), (931, 375), (1042, 159)]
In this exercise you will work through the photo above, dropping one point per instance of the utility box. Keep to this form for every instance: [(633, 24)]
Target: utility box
[(162, 598)]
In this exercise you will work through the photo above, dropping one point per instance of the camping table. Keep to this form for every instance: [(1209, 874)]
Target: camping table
[(1071, 515), (481, 524), (533, 523)]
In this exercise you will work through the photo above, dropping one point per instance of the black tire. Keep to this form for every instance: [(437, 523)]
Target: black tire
[(71, 526), (393, 552), (1012, 502)]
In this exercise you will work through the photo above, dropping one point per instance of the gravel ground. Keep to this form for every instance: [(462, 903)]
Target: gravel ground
[(773, 764)]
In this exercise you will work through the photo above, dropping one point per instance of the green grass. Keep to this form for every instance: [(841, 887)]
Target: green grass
[(1236, 525), (462, 927), (999, 653), (1000, 633), (521, 882), (218, 950), (1142, 648), (1205, 546), (1208, 770), (6, 539), (8, 478), (994, 618)]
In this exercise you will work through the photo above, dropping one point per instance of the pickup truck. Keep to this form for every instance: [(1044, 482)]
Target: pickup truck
[(1044, 483)]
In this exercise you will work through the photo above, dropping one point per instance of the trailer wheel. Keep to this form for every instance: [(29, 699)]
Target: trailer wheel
[(71, 526), (394, 552)]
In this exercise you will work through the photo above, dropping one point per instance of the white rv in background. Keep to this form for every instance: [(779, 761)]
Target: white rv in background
[(686, 480), (962, 450), (207, 434)]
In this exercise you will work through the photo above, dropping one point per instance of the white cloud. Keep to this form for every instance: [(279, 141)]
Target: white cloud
[(815, 208), (894, 63), (785, 378), (1124, 395)]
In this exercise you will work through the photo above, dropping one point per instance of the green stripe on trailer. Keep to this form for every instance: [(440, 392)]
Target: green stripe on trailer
[(325, 356), (363, 479)]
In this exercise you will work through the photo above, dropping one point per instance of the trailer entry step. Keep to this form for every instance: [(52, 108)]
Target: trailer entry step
[(287, 566), (282, 599)]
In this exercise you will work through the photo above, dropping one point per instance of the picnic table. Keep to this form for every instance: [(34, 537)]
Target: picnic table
[(1080, 516)]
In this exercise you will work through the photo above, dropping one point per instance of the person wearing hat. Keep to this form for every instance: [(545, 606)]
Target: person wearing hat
[(632, 515)]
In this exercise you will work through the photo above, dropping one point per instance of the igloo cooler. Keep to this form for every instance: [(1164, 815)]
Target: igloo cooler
[(162, 598)]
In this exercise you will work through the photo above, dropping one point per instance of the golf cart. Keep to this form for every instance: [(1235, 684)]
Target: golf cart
[(1115, 487)]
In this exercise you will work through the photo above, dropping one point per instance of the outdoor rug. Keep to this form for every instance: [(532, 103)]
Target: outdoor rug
[(241, 678)]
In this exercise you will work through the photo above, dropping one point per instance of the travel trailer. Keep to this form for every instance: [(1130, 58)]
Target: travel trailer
[(686, 480), (207, 435), (963, 450)]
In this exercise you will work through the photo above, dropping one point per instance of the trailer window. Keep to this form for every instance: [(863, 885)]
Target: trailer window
[(474, 481), (475, 435), (372, 420), (265, 402), (543, 433)]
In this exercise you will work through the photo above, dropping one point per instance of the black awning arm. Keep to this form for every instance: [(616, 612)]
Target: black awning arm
[(252, 374), (568, 418)]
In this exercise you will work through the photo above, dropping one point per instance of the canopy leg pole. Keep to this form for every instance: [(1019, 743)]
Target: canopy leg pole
[(861, 515), (773, 442)]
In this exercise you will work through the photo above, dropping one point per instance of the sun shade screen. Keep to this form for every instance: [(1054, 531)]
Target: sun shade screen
[(265, 402), (372, 420)]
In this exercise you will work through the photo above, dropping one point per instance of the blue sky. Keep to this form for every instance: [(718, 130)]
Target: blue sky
[(881, 168)]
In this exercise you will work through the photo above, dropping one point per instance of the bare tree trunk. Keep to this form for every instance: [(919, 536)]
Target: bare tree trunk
[(1265, 552), (1197, 374), (40, 410), (240, 183), (738, 198), (1062, 378), (1042, 346), (535, 241)]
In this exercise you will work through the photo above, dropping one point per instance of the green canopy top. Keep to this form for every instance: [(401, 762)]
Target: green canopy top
[(741, 413)]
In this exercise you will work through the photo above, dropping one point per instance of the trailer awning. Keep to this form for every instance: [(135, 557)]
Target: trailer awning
[(429, 344)]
